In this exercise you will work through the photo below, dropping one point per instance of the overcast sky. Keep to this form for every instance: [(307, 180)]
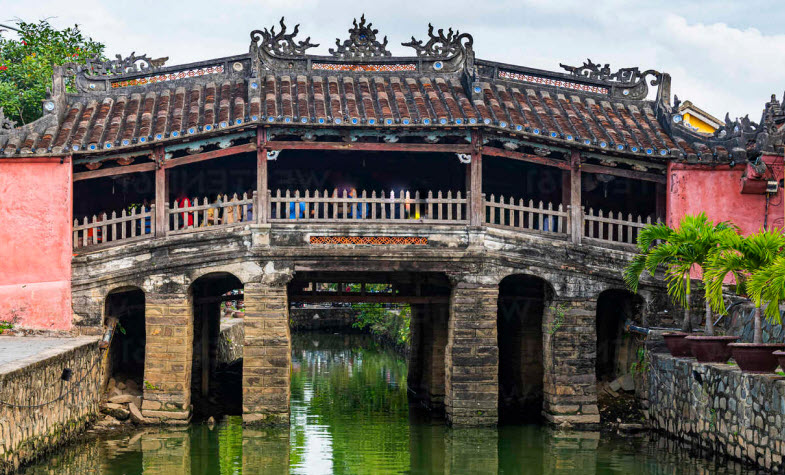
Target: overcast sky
[(723, 55)]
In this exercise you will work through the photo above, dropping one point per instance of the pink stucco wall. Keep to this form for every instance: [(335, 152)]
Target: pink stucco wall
[(717, 191), (35, 242)]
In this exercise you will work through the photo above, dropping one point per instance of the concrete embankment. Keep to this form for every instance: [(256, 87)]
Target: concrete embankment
[(49, 392)]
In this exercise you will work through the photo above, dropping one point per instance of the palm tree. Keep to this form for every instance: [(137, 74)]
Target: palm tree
[(768, 285), (679, 250), (741, 257)]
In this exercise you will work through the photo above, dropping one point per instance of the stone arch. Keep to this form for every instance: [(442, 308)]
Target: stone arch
[(126, 360), (615, 349), (522, 303), (213, 391)]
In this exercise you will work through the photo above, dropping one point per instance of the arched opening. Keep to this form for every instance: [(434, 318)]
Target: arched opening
[(216, 369), (615, 350), (127, 351), (522, 301)]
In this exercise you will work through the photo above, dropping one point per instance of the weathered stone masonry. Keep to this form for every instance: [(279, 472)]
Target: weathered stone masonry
[(569, 354), (472, 355), (25, 433), (266, 354), (718, 407), (168, 356)]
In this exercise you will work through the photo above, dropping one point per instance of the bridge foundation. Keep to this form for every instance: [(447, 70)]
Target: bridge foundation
[(472, 355), (168, 357), (266, 354), (426, 361), (570, 351)]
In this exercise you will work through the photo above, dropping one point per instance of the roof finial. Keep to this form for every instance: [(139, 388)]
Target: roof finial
[(362, 43)]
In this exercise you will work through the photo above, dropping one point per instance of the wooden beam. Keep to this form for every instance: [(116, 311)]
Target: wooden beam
[(633, 174), (261, 175), (576, 211), (370, 147), (476, 212), (161, 195), (368, 298), (200, 157), (114, 171), (525, 157)]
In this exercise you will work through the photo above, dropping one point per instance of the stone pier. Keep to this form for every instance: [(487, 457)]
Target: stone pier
[(570, 352), (472, 355), (266, 353), (168, 358)]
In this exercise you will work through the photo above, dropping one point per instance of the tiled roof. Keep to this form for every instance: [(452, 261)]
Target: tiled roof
[(591, 110)]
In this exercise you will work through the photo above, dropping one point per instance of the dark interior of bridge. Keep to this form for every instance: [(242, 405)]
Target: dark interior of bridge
[(216, 385), (522, 302), (127, 351), (297, 170), (369, 171), (614, 308)]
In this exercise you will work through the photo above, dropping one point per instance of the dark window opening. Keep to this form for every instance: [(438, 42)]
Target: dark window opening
[(127, 351)]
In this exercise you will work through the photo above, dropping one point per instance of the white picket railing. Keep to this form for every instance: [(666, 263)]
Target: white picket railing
[(200, 214), (525, 216), (401, 206), (131, 224), (601, 227)]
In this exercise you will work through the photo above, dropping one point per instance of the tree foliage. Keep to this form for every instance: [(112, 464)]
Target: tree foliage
[(26, 64)]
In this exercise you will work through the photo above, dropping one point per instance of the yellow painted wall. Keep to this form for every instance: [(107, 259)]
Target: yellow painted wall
[(696, 122)]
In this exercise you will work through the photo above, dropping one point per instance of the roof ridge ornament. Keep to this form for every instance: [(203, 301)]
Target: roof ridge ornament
[(597, 72), (441, 46), (132, 64), (630, 82), (281, 44), (5, 122), (362, 43)]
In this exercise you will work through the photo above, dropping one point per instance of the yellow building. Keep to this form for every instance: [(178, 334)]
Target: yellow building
[(698, 119)]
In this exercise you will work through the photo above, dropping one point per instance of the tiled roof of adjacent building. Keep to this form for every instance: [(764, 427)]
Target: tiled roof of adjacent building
[(131, 103)]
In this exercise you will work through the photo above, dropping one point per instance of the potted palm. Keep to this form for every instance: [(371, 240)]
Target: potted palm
[(768, 285), (680, 251), (649, 238), (742, 257)]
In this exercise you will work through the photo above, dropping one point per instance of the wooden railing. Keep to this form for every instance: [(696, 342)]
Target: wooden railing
[(402, 207), (132, 224), (199, 214), (608, 228), (382, 208), (525, 216)]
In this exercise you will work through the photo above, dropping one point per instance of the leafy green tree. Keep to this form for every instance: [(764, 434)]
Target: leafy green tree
[(742, 257), (679, 251), (768, 285), (26, 64)]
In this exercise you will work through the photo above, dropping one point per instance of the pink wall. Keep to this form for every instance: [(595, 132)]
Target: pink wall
[(35, 242), (717, 191)]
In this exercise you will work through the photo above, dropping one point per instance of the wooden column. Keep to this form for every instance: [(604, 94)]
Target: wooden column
[(661, 197), (476, 214), (261, 175), (161, 194), (576, 211)]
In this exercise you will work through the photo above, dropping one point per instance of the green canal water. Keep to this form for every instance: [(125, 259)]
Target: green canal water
[(351, 415)]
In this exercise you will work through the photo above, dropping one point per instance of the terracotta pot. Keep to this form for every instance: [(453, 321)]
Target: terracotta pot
[(711, 349), (677, 345), (756, 357)]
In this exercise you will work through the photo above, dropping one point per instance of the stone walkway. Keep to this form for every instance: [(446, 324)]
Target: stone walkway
[(16, 352)]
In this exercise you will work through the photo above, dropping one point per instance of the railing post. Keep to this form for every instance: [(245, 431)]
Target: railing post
[(161, 193), (474, 182), (261, 176), (576, 210)]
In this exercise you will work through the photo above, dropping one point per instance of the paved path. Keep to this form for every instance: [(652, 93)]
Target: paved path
[(16, 351)]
